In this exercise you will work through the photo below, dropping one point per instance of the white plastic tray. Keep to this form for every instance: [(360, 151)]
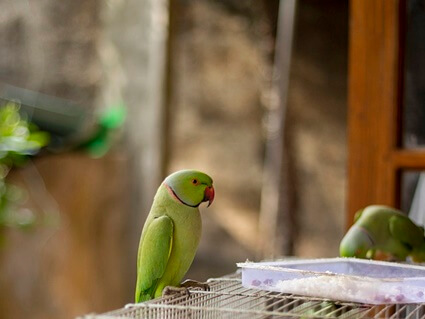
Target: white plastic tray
[(346, 279)]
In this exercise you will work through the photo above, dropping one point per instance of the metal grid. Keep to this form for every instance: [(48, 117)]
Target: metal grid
[(228, 299)]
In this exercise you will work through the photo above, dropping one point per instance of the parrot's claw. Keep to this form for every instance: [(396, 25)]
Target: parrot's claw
[(184, 288), (195, 284), (170, 291)]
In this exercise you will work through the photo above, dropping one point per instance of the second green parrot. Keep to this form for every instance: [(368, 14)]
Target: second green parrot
[(383, 230), (171, 232)]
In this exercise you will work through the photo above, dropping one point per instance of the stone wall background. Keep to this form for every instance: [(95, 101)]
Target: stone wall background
[(99, 52)]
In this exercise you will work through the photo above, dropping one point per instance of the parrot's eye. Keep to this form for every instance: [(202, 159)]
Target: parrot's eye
[(194, 181)]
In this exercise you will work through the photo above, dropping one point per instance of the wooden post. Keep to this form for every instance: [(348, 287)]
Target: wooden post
[(375, 82)]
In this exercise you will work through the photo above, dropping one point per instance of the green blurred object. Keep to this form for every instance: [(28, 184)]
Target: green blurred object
[(101, 140), (70, 125), (18, 140), (63, 119), (30, 121)]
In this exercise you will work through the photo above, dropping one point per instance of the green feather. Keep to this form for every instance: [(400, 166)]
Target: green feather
[(403, 229), (152, 261)]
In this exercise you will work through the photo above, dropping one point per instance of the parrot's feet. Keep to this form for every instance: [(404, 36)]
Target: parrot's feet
[(195, 284), (184, 288), (170, 291)]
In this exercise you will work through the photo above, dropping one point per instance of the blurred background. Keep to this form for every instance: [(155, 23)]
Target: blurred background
[(129, 91)]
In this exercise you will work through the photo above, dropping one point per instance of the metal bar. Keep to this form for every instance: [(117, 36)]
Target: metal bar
[(231, 310), (275, 222), (354, 313), (289, 304), (416, 313), (383, 311), (398, 312)]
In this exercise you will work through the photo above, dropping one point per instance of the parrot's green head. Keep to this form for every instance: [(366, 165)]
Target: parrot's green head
[(356, 243), (190, 187)]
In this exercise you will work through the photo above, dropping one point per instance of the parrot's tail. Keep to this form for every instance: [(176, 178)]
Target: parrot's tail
[(144, 295)]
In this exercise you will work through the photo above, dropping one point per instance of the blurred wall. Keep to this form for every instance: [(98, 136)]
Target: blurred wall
[(317, 111), (81, 258), (220, 68), (221, 59), (221, 74)]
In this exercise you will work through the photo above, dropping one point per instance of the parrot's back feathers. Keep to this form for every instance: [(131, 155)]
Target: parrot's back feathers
[(402, 228), (154, 251)]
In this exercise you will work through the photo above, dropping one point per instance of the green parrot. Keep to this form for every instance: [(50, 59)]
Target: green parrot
[(171, 232), (386, 231)]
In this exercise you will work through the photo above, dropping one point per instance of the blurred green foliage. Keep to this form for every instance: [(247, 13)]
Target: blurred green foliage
[(108, 122), (19, 139)]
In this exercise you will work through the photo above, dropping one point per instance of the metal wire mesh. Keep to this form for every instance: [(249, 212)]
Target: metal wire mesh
[(228, 299)]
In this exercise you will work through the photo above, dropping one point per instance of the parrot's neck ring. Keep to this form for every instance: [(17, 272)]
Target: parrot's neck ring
[(174, 195), (368, 235)]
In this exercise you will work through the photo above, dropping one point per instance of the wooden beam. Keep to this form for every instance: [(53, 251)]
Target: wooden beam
[(373, 100), (409, 159)]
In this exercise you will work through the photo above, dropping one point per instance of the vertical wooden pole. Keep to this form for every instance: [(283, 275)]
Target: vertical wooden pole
[(375, 57)]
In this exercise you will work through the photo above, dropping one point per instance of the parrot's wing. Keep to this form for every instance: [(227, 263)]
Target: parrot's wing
[(152, 259), (403, 229)]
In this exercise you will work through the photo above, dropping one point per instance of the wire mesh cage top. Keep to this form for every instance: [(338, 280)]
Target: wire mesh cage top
[(229, 299)]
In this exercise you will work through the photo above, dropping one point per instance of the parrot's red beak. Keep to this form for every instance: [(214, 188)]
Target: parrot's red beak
[(209, 195)]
